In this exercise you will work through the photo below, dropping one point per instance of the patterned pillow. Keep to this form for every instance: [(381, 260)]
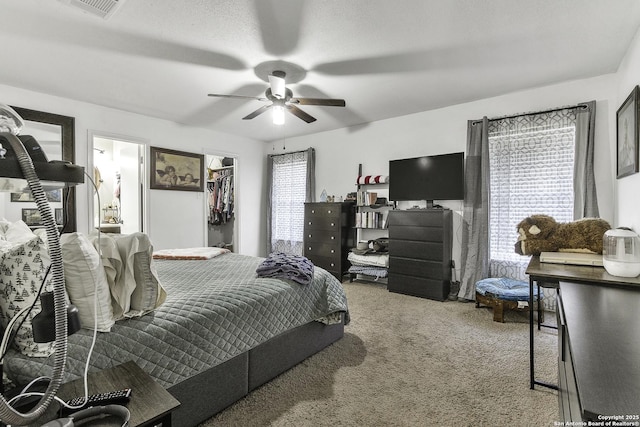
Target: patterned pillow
[(23, 266)]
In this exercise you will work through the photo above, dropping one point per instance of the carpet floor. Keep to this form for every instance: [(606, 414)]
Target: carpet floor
[(407, 361)]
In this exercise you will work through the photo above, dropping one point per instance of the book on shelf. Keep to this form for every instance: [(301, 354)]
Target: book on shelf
[(366, 198), (370, 219)]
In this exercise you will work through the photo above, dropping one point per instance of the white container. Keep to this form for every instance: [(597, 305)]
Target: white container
[(621, 253)]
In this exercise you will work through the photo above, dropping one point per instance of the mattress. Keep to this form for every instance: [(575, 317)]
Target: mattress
[(215, 309)]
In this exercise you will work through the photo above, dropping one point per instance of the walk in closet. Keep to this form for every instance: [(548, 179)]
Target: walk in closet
[(220, 192)]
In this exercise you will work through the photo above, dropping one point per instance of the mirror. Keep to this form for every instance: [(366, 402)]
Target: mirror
[(56, 135)]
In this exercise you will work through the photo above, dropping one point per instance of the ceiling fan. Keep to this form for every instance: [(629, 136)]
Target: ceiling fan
[(282, 99)]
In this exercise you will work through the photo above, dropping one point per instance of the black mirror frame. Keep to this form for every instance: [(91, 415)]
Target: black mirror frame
[(68, 133)]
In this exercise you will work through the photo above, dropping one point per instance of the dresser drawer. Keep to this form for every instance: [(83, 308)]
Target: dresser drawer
[(428, 234), (328, 249), (322, 223), (421, 218), (413, 267), (322, 235), (328, 210), (430, 251), (417, 286), (329, 263)]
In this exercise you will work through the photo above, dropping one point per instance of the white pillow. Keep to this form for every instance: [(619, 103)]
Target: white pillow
[(84, 276), (18, 232), (22, 269), (136, 252), (114, 269), (4, 224)]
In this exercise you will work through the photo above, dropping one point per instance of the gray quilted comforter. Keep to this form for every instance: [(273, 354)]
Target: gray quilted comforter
[(215, 310)]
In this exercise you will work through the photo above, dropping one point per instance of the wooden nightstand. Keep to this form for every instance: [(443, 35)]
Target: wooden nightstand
[(150, 405)]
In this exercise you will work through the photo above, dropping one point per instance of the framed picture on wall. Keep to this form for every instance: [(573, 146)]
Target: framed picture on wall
[(31, 217), (52, 196), (627, 135), (176, 170)]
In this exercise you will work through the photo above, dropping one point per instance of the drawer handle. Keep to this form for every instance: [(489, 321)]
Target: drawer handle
[(333, 237), (310, 222), (333, 265), (310, 235), (329, 211), (313, 211), (333, 224), (309, 247), (333, 251)]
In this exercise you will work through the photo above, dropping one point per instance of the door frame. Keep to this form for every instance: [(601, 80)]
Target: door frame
[(236, 204), (144, 148)]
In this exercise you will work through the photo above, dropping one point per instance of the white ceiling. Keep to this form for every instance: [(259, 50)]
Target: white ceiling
[(385, 58)]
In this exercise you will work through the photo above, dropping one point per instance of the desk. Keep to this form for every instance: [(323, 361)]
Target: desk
[(554, 273)]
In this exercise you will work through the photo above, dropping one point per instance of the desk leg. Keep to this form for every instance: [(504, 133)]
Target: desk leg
[(531, 349)]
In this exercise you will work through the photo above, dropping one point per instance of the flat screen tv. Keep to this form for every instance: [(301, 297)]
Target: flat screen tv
[(428, 178)]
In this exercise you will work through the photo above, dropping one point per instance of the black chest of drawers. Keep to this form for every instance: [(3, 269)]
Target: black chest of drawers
[(420, 252), (329, 235)]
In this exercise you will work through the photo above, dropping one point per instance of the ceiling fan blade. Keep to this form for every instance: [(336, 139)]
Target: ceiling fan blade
[(300, 114), (319, 101), (257, 112), (238, 96)]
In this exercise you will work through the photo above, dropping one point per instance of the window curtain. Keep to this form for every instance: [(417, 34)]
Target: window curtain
[(475, 228), (476, 223), (291, 183), (585, 203), (532, 163)]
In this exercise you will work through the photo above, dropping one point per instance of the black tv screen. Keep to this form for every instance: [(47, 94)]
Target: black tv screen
[(427, 178)]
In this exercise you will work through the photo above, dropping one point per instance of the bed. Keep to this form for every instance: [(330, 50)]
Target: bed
[(221, 332)]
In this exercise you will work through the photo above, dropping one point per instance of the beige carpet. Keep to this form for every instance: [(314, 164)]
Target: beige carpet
[(407, 361)]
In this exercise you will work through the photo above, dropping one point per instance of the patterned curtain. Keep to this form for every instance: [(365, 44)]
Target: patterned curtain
[(531, 172), (291, 178)]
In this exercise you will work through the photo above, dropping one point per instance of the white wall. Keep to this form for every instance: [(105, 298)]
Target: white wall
[(626, 194), (176, 217), (339, 152)]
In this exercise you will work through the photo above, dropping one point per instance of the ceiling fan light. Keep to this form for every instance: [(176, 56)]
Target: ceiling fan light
[(278, 114)]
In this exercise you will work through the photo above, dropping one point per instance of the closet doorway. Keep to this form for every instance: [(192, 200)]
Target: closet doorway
[(220, 202), (118, 171)]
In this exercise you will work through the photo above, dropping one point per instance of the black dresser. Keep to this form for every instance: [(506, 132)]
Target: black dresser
[(329, 235), (420, 252)]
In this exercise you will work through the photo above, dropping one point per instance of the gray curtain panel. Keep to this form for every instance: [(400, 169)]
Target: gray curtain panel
[(585, 199), (311, 175), (475, 228)]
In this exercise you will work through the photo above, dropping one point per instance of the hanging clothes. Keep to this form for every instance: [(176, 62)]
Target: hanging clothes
[(220, 189)]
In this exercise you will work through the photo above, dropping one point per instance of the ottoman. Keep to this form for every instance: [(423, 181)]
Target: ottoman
[(504, 294)]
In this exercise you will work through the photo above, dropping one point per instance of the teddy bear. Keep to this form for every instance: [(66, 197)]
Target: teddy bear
[(541, 233)]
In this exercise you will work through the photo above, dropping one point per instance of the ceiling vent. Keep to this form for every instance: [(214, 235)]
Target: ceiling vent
[(101, 8)]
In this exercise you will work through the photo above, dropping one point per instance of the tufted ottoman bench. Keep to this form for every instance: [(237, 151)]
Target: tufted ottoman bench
[(503, 294)]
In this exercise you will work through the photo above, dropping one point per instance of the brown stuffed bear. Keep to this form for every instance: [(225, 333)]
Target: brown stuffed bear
[(541, 233)]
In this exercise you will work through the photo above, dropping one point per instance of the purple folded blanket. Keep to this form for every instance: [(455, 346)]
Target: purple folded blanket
[(285, 266)]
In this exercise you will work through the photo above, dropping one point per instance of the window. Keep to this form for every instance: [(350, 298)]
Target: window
[(288, 194), (531, 160)]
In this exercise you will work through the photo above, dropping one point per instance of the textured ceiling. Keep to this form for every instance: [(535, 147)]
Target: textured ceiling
[(385, 58)]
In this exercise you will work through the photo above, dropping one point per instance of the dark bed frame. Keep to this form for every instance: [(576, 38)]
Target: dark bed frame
[(213, 390)]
